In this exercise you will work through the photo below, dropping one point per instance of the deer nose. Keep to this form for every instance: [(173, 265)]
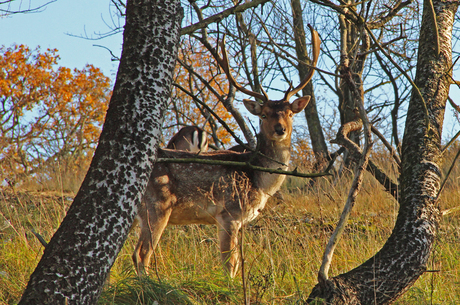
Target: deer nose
[(280, 129)]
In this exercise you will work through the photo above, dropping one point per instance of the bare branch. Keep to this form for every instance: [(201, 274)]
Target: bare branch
[(9, 11), (218, 17)]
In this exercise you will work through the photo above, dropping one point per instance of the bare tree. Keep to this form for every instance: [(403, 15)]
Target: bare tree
[(78, 258), (404, 257)]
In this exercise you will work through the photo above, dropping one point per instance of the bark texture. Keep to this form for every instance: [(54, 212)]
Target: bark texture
[(387, 275), (78, 258)]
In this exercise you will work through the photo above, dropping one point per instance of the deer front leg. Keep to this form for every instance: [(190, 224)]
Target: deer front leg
[(153, 218), (228, 238)]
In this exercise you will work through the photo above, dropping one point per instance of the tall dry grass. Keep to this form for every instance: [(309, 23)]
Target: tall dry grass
[(282, 249)]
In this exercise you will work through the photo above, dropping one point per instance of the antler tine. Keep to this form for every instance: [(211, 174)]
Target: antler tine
[(316, 48), (225, 65)]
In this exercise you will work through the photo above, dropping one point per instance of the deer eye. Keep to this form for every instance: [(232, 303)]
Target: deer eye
[(291, 114), (263, 116)]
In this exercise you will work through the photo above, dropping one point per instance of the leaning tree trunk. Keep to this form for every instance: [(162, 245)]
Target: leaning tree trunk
[(403, 258), (78, 258)]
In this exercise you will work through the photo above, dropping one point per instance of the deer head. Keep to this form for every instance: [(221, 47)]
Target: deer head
[(276, 116)]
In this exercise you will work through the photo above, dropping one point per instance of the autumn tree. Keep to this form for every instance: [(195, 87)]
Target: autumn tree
[(51, 116)]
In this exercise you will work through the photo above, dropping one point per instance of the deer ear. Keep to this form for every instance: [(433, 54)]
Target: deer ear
[(299, 104), (253, 107)]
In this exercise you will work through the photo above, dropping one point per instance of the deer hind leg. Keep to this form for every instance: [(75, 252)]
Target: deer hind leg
[(153, 218), (228, 238)]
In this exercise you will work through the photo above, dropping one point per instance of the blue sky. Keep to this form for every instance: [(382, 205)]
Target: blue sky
[(53, 26), (50, 28)]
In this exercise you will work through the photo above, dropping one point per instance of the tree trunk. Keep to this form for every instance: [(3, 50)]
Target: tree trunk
[(387, 275), (78, 258), (353, 49), (318, 142)]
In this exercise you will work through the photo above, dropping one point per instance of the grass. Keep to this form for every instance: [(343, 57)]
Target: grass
[(282, 249)]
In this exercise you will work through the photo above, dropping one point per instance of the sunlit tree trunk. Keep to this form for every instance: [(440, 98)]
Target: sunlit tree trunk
[(78, 258), (404, 257)]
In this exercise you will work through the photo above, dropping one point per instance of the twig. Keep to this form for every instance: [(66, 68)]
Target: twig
[(222, 122), (356, 154), (452, 103), (451, 210), (114, 57)]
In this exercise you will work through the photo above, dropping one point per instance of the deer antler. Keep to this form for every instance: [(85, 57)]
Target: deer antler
[(316, 44), (223, 62)]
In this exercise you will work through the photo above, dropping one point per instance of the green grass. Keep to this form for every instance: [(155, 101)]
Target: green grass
[(282, 249)]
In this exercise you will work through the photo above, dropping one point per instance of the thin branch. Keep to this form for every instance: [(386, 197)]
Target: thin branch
[(8, 11), (220, 16), (414, 86), (247, 165), (114, 57), (452, 103), (391, 13)]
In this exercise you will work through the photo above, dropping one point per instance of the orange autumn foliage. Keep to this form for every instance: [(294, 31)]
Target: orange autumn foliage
[(49, 115)]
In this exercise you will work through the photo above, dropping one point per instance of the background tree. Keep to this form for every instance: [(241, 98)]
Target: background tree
[(384, 277), (78, 258), (51, 117)]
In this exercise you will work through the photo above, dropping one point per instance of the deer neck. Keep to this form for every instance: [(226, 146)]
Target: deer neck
[(276, 155)]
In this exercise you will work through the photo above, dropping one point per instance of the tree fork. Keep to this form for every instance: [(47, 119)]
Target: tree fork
[(404, 257)]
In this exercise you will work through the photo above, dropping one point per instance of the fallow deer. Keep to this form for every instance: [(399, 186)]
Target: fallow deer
[(192, 193), (190, 138)]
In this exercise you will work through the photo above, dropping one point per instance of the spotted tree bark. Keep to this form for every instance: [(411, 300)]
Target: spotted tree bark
[(403, 258), (78, 258)]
